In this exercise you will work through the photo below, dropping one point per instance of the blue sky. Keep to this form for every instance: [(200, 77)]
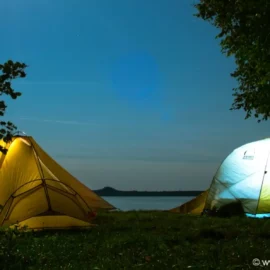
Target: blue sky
[(129, 94)]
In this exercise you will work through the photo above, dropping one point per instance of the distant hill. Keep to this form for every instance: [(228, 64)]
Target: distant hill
[(109, 191)]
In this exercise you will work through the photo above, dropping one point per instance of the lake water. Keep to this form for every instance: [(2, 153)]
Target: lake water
[(146, 203)]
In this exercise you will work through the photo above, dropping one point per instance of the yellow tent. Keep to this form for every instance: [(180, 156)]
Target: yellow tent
[(195, 206), (37, 192)]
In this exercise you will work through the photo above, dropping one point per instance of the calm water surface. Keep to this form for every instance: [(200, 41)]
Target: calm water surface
[(146, 203)]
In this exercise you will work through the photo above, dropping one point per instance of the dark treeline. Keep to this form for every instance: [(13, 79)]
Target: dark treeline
[(108, 191)]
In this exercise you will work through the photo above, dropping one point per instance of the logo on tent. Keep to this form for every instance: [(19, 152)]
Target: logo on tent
[(249, 155)]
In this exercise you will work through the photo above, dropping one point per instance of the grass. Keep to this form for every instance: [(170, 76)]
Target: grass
[(142, 240)]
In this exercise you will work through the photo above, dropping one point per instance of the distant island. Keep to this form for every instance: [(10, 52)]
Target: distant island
[(109, 191)]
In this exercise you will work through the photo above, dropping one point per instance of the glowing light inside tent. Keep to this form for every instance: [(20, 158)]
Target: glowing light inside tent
[(226, 194), (258, 215)]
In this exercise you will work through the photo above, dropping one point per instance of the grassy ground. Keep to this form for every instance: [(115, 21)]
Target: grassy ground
[(142, 240)]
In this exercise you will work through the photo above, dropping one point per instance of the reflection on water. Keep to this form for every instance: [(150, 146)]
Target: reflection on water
[(146, 203)]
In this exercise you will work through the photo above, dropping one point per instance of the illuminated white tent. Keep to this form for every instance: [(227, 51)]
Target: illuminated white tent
[(243, 179)]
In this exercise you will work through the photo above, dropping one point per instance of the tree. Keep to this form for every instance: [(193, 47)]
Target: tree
[(8, 72), (245, 34)]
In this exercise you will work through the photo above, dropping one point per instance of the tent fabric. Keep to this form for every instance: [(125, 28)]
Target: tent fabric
[(242, 180), (36, 190), (54, 222), (194, 207)]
